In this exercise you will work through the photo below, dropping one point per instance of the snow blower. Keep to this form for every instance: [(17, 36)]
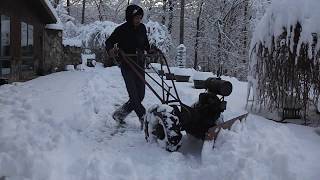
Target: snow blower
[(165, 122)]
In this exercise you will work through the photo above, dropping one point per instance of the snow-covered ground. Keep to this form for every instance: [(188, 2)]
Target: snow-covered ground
[(59, 127)]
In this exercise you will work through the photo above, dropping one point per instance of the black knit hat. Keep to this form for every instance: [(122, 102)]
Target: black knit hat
[(133, 10)]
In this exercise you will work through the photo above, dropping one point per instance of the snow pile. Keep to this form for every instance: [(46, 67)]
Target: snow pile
[(184, 71), (254, 151), (286, 14)]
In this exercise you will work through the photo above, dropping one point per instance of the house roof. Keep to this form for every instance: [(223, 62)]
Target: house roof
[(47, 12)]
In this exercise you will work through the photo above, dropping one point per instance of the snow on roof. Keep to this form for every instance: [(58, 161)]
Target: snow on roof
[(58, 25), (286, 13)]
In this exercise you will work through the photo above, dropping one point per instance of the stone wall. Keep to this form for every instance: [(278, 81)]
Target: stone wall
[(53, 52), (71, 55), (57, 56)]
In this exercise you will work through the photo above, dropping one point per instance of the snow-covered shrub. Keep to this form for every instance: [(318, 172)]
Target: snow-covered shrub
[(95, 34), (159, 36), (285, 52), (91, 35)]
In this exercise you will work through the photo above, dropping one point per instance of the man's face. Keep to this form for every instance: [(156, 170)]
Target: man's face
[(137, 20)]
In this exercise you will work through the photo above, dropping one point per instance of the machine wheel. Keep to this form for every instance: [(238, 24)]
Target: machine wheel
[(162, 126)]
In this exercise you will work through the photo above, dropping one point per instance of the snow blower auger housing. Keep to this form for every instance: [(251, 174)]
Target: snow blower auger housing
[(164, 123)]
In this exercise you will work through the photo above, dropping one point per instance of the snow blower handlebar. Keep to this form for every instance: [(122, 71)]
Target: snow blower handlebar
[(135, 67)]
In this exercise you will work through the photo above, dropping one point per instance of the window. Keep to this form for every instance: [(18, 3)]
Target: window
[(26, 39), (4, 45), (5, 35), (27, 46)]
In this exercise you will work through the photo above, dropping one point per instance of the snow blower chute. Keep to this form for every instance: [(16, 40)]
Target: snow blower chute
[(165, 122)]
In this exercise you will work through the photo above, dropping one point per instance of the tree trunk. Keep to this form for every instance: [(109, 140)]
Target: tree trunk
[(182, 22), (219, 72), (164, 8), (100, 9), (171, 6), (83, 10), (68, 7), (197, 37), (245, 30)]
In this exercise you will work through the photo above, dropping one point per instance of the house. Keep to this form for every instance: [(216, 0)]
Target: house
[(30, 39)]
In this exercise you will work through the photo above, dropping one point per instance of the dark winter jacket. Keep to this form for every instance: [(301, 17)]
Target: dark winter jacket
[(130, 39)]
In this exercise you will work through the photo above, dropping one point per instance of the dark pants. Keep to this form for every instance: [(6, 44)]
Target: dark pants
[(136, 90)]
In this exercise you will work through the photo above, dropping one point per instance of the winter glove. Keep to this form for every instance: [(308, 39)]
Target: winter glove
[(114, 51), (114, 55)]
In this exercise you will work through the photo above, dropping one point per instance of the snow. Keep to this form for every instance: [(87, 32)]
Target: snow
[(201, 75), (95, 33), (136, 2), (184, 71), (69, 67), (286, 13), (58, 127)]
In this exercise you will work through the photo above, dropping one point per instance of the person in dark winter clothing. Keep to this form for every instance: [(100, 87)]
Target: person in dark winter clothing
[(131, 38)]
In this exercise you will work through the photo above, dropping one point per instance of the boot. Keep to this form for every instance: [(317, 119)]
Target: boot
[(119, 115)]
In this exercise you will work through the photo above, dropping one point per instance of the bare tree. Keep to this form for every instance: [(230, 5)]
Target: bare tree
[(171, 9), (182, 22), (83, 11), (196, 46), (164, 8), (68, 7), (99, 5)]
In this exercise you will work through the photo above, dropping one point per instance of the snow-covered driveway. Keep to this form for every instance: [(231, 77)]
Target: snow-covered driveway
[(59, 127)]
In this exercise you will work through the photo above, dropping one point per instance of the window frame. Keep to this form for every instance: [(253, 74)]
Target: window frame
[(27, 61), (5, 57)]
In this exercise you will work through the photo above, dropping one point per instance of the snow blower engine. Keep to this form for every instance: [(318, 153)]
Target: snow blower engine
[(164, 123)]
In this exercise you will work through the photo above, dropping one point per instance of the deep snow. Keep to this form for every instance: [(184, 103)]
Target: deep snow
[(58, 127)]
